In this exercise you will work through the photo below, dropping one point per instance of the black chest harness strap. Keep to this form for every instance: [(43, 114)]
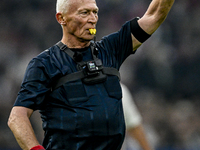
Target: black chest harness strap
[(90, 72)]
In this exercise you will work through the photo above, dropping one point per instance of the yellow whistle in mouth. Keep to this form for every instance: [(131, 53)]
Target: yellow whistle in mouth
[(93, 31)]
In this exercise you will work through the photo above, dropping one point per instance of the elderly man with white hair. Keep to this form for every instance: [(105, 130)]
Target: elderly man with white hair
[(75, 83)]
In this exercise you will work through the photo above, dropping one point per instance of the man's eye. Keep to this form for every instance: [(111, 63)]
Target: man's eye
[(95, 12), (84, 12)]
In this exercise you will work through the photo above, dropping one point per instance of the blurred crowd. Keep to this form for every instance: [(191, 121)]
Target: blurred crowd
[(163, 75)]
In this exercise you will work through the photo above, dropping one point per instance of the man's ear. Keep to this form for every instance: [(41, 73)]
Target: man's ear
[(60, 19)]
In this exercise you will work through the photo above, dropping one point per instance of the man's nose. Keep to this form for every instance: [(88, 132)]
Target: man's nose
[(93, 18)]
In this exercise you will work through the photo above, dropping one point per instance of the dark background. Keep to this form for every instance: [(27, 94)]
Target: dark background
[(163, 75)]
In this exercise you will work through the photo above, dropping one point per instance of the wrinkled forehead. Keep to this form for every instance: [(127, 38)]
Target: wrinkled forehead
[(82, 1), (78, 4)]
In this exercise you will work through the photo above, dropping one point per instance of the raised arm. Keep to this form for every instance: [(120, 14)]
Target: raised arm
[(153, 18), (21, 127)]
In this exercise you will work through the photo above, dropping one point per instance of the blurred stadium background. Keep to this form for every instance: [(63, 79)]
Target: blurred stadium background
[(163, 75)]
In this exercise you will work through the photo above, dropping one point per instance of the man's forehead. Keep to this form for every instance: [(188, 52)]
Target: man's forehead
[(81, 1), (82, 4)]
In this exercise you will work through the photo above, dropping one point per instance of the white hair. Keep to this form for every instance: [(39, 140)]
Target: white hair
[(62, 6)]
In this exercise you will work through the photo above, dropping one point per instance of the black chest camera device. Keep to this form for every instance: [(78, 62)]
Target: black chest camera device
[(90, 72), (93, 71)]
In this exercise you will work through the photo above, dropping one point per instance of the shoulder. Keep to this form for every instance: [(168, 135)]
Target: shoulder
[(52, 55), (119, 40), (48, 53), (48, 61)]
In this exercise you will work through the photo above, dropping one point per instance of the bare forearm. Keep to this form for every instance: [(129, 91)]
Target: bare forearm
[(153, 18), (160, 7), (155, 15), (21, 127)]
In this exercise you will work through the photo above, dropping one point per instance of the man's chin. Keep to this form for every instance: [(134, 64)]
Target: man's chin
[(89, 38)]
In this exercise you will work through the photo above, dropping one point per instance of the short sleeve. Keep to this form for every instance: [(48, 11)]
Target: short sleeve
[(34, 87), (118, 45)]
